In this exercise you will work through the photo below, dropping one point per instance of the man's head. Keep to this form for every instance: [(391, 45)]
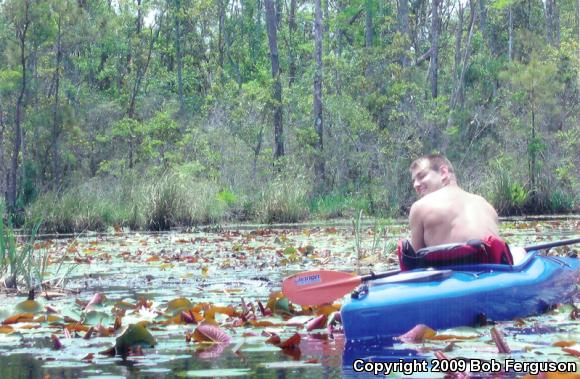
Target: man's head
[(430, 173)]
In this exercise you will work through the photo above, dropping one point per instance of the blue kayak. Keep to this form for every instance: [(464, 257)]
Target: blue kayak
[(460, 296)]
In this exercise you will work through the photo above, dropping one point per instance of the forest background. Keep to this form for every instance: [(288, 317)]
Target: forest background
[(159, 113)]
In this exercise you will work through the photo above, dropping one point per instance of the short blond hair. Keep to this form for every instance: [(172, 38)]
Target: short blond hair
[(435, 162)]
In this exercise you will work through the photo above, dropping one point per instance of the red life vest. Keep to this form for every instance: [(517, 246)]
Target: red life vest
[(488, 250)]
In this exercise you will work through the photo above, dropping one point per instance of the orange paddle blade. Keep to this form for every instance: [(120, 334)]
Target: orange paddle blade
[(318, 287)]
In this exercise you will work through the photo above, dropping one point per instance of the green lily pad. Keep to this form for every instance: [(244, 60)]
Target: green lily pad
[(96, 317), (289, 364), (29, 306), (282, 306), (177, 305), (133, 335), (215, 373)]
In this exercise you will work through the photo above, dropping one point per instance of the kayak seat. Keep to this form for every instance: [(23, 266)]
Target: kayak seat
[(487, 250)]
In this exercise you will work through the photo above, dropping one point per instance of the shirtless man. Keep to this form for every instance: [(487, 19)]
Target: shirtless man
[(445, 213)]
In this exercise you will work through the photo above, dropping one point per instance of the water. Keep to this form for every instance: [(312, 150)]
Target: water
[(222, 268)]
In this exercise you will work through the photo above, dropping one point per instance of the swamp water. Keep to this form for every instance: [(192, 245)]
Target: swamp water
[(152, 279)]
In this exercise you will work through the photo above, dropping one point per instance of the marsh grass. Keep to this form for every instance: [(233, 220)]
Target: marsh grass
[(381, 248), (337, 205), (148, 202), (19, 261), (283, 200)]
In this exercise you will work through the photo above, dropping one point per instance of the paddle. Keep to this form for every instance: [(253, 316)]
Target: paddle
[(324, 286)]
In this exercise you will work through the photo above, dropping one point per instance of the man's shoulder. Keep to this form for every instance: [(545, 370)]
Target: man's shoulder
[(421, 204)]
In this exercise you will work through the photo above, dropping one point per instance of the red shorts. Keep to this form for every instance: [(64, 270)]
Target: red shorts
[(487, 250)]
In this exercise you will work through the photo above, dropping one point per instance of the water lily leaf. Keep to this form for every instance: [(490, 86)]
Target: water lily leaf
[(134, 335), (49, 318), (572, 351), (177, 305), (291, 343), (20, 317), (564, 343), (6, 329), (215, 373), (282, 306), (291, 364), (77, 327), (97, 299), (327, 309), (211, 352), (316, 323), (210, 333), (418, 334), (209, 314), (97, 317), (29, 306)]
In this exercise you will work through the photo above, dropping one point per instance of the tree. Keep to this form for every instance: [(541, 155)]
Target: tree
[(273, 44), (20, 17), (434, 50), (317, 105)]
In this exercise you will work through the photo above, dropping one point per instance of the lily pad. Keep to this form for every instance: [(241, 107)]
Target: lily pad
[(289, 364), (29, 306), (177, 305), (134, 335), (215, 373)]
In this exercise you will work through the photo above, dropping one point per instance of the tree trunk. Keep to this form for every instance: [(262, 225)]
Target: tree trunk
[(368, 36), (458, 38), (318, 119), (139, 20), (484, 25), (222, 15), (552, 23), (291, 47), (179, 57), (55, 118), (273, 44), (21, 31), (511, 34), (458, 93), (434, 51), (369, 24), (403, 18)]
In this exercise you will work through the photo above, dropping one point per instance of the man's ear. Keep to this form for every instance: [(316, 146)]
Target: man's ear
[(444, 171)]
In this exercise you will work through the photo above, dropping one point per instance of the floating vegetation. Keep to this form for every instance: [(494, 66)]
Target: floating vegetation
[(209, 304)]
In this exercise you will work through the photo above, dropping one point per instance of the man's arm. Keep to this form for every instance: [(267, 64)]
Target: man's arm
[(416, 225)]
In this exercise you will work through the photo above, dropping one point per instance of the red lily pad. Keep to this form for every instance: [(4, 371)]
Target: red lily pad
[(211, 333), (418, 334)]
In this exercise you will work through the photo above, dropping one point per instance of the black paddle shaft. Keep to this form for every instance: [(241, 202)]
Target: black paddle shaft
[(549, 245)]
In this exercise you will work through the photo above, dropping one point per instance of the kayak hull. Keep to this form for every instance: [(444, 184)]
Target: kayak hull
[(470, 294)]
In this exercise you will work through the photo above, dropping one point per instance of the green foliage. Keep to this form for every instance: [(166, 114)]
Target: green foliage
[(20, 261), (337, 205), (153, 201), (507, 194), (188, 92), (284, 199)]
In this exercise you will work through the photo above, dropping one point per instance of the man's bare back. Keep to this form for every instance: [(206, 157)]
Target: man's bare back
[(451, 214), (445, 213)]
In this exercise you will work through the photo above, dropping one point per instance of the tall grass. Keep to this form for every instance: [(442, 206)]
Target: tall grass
[(147, 202), (284, 199), (18, 262)]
